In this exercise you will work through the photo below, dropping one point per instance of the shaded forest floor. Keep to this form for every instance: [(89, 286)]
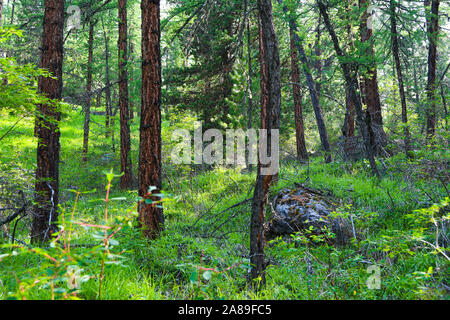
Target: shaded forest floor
[(204, 231)]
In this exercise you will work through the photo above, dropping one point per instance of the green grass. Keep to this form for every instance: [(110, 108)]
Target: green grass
[(200, 230)]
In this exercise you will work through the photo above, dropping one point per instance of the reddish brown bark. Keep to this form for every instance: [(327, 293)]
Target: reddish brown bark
[(47, 128), (125, 143), (370, 79), (270, 119), (302, 153), (151, 217), (433, 31), (349, 123)]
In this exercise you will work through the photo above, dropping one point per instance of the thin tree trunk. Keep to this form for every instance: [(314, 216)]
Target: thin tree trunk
[(270, 120), (249, 80), (108, 102), (370, 80), (125, 143), (1, 12), (416, 86), (87, 110), (302, 153), (131, 58), (312, 89), (395, 53), (352, 84), (444, 104), (12, 11), (433, 31), (318, 53), (47, 123), (348, 129), (151, 217)]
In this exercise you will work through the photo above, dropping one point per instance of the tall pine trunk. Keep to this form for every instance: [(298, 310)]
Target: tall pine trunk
[(270, 120), (47, 125), (87, 109), (370, 79), (151, 217), (125, 143), (432, 31), (302, 153), (351, 80), (312, 89), (401, 87)]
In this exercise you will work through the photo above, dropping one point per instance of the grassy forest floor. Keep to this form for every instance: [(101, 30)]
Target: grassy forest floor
[(202, 231)]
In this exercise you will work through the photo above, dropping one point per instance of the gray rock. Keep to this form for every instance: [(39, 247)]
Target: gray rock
[(300, 209)]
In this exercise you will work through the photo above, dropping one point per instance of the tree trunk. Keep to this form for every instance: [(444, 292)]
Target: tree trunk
[(312, 89), (249, 80), (87, 110), (444, 104), (125, 143), (108, 102), (318, 53), (47, 123), (270, 120), (302, 153), (395, 53), (370, 80), (348, 129), (352, 84), (12, 11), (151, 217), (432, 31)]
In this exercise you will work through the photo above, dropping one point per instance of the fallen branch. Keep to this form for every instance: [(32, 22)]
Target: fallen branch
[(15, 214)]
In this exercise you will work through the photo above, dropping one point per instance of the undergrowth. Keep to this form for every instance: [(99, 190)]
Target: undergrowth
[(401, 225)]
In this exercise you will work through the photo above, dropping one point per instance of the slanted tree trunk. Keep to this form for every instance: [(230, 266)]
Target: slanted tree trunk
[(151, 217), (396, 55), (270, 120), (1, 12), (87, 109), (370, 79), (433, 32), (352, 84), (312, 89), (125, 143), (47, 123), (302, 153)]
